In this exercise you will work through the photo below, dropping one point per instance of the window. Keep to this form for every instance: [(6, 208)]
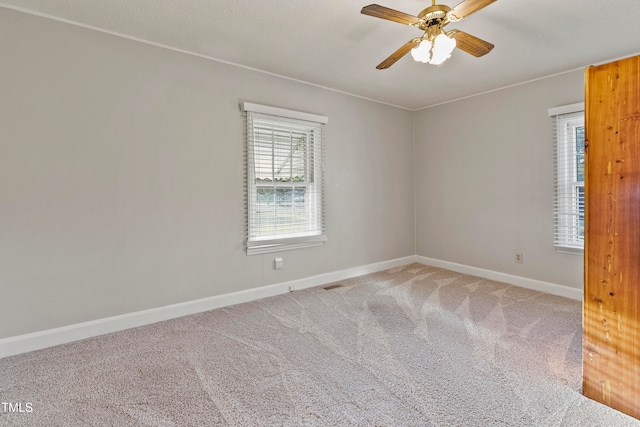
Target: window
[(569, 173), (284, 152)]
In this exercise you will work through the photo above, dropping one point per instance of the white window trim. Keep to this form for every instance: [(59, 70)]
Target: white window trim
[(266, 244), (566, 200), (566, 109), (282, 112)]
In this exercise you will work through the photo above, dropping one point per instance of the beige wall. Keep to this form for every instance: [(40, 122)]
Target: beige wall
[(121, 174), (484, 181)]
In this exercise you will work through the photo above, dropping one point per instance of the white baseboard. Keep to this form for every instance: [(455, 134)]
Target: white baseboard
[(51, 337), (48, 338), (523, 282)]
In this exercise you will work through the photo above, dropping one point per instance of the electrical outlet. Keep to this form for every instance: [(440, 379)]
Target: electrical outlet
[(278, 263), (519, 258)]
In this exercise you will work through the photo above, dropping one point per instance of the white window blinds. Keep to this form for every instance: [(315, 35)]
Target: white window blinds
[(284, 179), (569, 137)]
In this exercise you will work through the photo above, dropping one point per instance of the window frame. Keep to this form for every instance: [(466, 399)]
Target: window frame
[(569, 199), (266, 119)]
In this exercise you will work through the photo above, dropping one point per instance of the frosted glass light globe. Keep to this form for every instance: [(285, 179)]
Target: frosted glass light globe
[(442, 48), (422, 53)]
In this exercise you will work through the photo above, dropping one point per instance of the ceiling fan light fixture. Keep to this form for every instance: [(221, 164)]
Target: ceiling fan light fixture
[(442, 48), (422, 52), (434, 52)]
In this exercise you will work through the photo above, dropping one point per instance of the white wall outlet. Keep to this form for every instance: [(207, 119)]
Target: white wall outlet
[(278, 263), (519, 258)]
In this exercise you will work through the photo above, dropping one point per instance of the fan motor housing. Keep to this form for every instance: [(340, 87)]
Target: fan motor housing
[(435, 14)]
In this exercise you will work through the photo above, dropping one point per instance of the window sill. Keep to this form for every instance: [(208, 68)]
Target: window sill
[(570, 250), (265, 247)]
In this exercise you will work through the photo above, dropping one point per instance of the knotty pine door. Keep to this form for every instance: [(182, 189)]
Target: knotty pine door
[(611, 317)]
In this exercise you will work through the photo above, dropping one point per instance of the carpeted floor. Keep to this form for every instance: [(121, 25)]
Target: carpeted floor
[(412, 346)]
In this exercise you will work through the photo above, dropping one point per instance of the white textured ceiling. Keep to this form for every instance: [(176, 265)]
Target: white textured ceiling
[(329, 43)]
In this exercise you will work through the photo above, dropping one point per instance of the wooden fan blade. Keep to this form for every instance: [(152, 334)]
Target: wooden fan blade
[(467, 7), (389, 14), (470, 44), (399, 54)]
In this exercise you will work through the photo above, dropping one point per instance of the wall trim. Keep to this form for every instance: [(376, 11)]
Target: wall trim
[(51, 337), (523, 282)]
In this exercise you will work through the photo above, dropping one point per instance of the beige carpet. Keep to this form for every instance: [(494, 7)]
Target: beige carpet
[(412, 346)]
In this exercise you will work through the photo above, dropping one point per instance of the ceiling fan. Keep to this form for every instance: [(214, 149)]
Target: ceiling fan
[(436, 44)]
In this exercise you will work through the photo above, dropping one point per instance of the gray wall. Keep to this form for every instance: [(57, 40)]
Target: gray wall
[(121, 173), (484, 181)]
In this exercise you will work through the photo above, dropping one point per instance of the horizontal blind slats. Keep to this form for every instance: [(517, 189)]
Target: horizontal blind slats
[(285, 200), (568, 131)]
